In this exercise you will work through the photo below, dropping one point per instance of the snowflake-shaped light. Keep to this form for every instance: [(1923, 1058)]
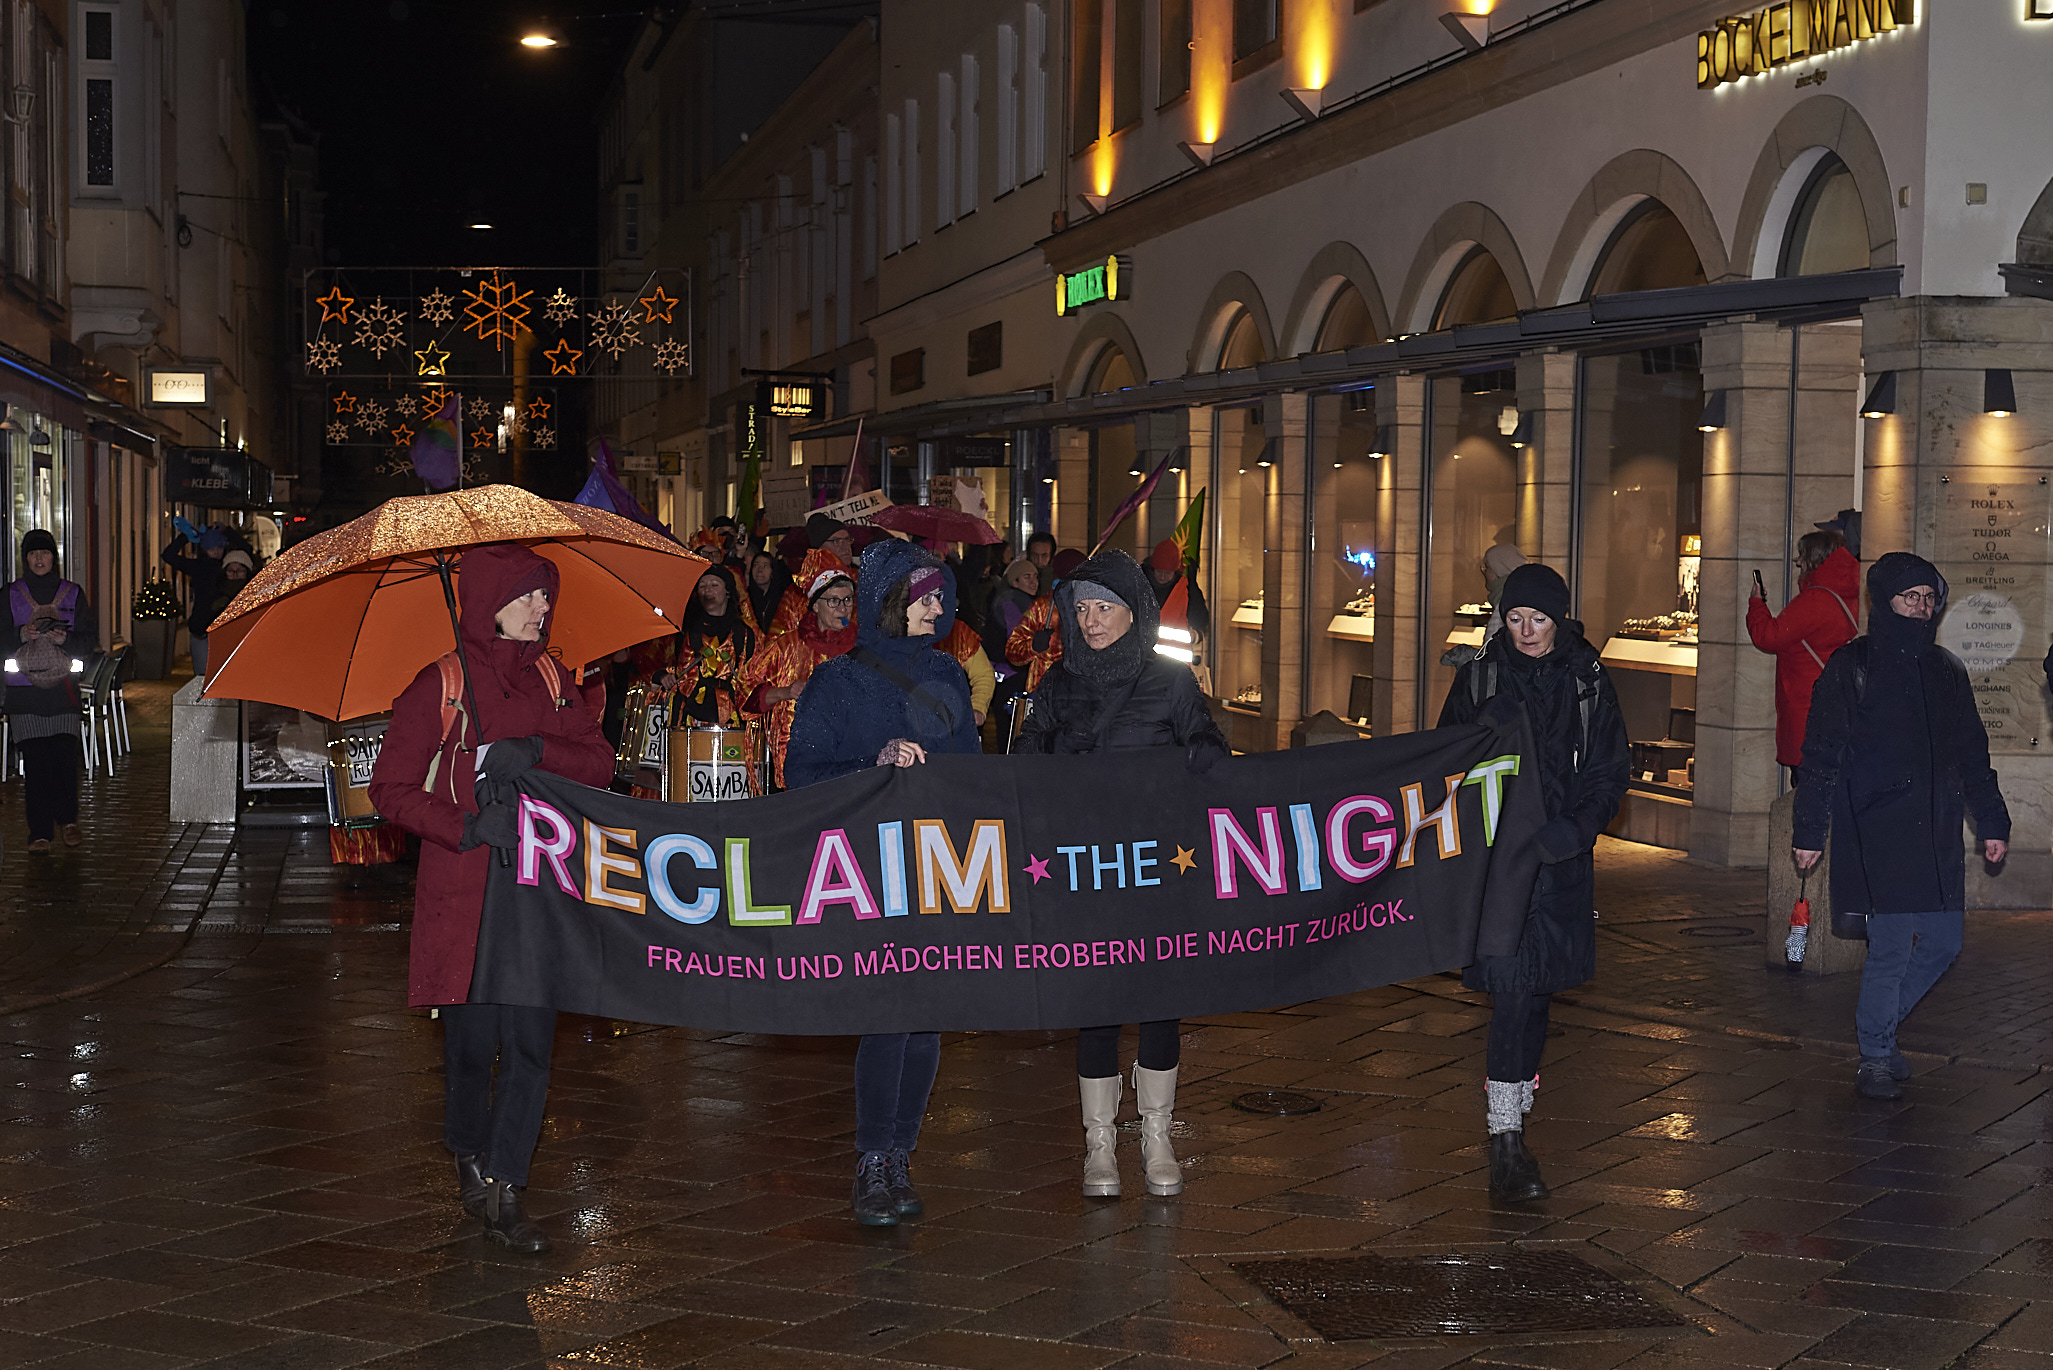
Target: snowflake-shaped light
[(560, 308), (496, 310), (404, 405), (435, 307), (396, 464), (379, 328), (433, 400), (370, 414), (480, 409), (542, 439), (324, 355), (614, 331), (671, 355), (338, 432), (514, 422)]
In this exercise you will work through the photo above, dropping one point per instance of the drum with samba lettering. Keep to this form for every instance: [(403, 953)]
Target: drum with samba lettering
[(710, 763)]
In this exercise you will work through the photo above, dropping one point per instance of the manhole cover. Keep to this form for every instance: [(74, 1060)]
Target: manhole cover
[(1284, 1101), (1460, 1294), (1717, 932)]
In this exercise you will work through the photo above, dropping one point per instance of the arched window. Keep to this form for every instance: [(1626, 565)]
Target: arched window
[(1649, 250), (1111, 371), (1347, 322), (1829, 230), (1476, 293), (1243, 345)]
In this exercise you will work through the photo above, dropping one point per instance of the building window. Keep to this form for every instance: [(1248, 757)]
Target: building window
[(912, 172), (909, 371), (1829, 230), (1008, 109), (1255, 27), (631, 223), (968, 138), (894, 184), (1086, 62), (1033, 129), (1126, 62), (986, 348), (944, 150), (1173, 73), (97, 75), (1477, 292)]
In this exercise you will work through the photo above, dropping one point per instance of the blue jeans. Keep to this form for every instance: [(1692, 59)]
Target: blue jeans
[(1898, 972), (894, 1074)]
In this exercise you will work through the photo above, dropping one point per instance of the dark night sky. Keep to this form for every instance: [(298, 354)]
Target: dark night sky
[(432, 116)]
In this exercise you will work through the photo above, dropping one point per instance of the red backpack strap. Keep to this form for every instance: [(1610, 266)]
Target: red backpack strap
[(451, 667), (552, 676)]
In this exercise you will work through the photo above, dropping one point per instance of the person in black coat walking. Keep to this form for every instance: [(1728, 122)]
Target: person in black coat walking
[(53, 614), (1111, 692), (1901, 758), (888, 702), (1541, 660)]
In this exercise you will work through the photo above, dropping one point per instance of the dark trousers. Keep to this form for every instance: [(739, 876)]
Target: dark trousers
[(498, 1121), (1518, 1034), (1907, 953), (894, 1074), (1097, 1048), (49, 784)]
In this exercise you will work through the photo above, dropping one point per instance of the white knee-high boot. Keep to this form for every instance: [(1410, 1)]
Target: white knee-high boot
[(1100, 1100), (1156, 1092)]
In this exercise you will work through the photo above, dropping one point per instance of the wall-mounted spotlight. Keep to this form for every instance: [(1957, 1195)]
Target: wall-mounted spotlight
[(1713, 417), (1200, 154), (1307, 103), (2038, 9), (1094, 203), (1133, 467), (1386, 442), (1881, 401), (1522, 435), (1999, 396), (1472, 31)]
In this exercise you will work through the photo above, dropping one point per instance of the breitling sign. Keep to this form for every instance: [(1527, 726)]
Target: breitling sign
[(1754, 44)]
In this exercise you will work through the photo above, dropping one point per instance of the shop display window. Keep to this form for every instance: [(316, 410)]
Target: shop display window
[(1244, 479), (1640, 548), (38, 480), (1345, 491), (1474, 507)]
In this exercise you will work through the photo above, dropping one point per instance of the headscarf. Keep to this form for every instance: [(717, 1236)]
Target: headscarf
[(765, 600), (700, 623), (885, 566), (42, 589), (1111, 574), (1890, 576)]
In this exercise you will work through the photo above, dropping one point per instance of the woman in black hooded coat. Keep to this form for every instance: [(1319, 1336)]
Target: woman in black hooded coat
[(45, 719), (1540, 659), (1112, 692)]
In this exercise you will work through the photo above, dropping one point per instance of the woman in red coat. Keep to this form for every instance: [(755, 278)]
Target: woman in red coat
[(1823, 617), (530, 712)]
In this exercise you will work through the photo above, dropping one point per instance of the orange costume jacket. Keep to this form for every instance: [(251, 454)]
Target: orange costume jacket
[(705, 675), (797, 609), (1019, 647), (787, 660)]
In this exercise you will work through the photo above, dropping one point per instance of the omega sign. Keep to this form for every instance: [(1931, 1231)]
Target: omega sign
[(1753, 44)]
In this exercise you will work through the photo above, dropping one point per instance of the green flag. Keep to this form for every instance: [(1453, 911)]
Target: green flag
[(1190, 532)]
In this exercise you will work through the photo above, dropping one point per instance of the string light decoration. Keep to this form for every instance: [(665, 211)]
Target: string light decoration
[(538, 408), (480, 409), (435, 308), (563, 358), (656, 306), (345, 403), (380, 328), (560, 308), (402, 436), (369, 415), (482, 437), (671, 355), (338, 433), (613, 330), (496, 310), (335, 306), (434, 361), (542, 439), (433, 400), (404, 405), (323, 355)]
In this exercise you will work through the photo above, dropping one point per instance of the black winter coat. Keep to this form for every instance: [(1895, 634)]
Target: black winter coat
[(1895, 796), (1583, 775)]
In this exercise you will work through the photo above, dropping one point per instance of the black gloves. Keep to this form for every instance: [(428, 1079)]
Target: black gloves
[(1041, 637), (512, 757), (1204, 755), (495, 826), (1560, 839)]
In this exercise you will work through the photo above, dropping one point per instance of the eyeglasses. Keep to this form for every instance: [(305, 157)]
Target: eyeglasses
[(1915, 597), (838, 601)]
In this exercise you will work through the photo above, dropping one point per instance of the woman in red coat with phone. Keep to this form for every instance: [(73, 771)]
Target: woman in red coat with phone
[(530, 712), (1823, 617)]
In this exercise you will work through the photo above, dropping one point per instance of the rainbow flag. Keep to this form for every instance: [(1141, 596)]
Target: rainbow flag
[(437, 452)]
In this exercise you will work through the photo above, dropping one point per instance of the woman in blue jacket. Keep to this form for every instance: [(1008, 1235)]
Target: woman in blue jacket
[(889, 702)]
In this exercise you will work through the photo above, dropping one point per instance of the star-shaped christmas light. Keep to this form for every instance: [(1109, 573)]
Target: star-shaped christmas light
[(538, 409), (345, 403), (1037, 867), (563, 358), (1185, 860), (402, 436), (482, 437), (434, 361), (657, 305), (335, 305)]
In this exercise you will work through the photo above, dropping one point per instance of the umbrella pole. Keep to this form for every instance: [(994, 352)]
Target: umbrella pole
[(470, 696)]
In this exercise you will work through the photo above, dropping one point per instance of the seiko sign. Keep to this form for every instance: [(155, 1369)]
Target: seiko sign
[(1754, 44)]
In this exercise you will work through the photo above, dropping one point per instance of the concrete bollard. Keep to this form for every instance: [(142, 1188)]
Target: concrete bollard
[(206, 745), (1825, 954)]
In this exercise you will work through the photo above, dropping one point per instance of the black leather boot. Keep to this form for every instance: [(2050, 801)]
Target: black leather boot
[(904, 1198), (871, 1198), (470, 1186), (1514, 1174), (507, 1222)]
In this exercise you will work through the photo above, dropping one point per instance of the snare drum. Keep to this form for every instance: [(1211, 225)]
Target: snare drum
[(710, 763), (1022, 706)]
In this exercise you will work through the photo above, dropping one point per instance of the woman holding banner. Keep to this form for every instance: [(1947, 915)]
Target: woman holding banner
[(431, 779), (1111, 692), (1540, 659), (888, 702)]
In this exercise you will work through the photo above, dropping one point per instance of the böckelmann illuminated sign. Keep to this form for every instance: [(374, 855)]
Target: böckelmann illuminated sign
[(1754, 44), (1111, 279)]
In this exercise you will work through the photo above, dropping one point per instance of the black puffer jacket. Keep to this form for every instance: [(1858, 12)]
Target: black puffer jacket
[(1124, 696), (1583, 774)]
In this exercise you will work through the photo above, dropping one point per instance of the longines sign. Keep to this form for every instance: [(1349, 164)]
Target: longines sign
[(1753, 44)]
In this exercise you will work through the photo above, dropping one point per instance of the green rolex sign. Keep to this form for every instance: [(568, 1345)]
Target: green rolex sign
[(1111, 279)]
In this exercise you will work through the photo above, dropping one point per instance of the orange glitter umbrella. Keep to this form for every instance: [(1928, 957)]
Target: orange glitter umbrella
[(342, 623)]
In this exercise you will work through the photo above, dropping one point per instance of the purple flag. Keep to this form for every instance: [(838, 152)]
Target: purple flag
[(437, 454), (1134, 500), (603, 490)]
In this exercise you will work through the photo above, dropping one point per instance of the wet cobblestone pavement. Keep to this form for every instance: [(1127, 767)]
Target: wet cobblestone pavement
[(233, 1159)]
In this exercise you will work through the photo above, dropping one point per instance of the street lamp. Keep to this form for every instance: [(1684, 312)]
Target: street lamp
[(539, 40)]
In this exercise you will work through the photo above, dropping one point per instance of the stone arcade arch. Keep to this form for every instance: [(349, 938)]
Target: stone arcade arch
[(1447, 246), (1624, 184), (1234, 300), (1105, 330), (1333, 270), (1821, 124)]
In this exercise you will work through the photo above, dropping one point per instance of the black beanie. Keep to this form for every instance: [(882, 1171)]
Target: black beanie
[(1890, 576), (38, 540), (819, 528), (1534, 586)]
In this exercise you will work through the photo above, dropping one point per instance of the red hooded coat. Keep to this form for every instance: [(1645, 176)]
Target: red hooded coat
[(513, 700), (1822, 618)]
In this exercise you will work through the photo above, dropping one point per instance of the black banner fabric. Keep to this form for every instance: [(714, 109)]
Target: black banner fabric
[(1005, 893)]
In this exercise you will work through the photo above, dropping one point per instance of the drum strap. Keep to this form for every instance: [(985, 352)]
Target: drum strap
[(918, 693)]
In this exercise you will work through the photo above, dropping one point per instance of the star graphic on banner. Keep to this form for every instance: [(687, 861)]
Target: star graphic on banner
[(402, 436), (563, 358), (1185, 860), (335, 305), (657, 305), (1037, 867), (345, 403), (434, 361)]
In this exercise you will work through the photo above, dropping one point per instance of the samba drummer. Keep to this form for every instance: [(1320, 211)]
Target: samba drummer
[(770, 684), (698, 668)]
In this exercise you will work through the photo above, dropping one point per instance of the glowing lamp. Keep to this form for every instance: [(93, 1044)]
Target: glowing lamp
[(538, 40), (1999, 396), (1713, 417), (1881, 401)]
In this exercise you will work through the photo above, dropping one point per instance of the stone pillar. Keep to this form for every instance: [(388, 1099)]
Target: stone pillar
[(1546, 465), (206, 741), (1283, 568), (1073, 489), (1400, 563), (1824, 954)]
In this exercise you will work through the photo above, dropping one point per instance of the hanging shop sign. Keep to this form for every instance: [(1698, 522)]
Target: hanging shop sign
[(212, 477), (1111, 279), (175, 389), (1756, 43), (1074, 890), (789, 399)]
